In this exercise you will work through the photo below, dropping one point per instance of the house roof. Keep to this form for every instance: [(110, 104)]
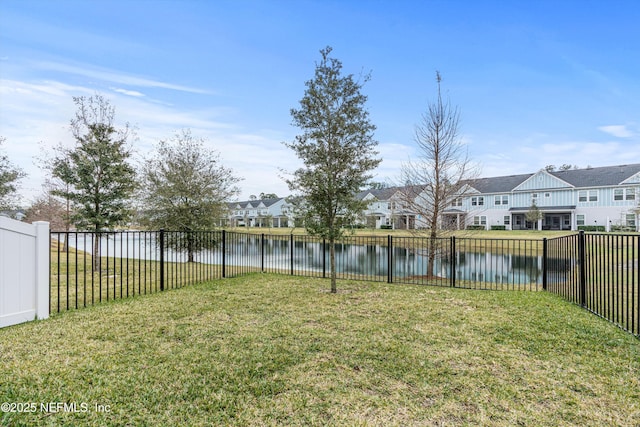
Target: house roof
[(579, 178), (597, 177), (252, 204), (498, 184), (380, 193)]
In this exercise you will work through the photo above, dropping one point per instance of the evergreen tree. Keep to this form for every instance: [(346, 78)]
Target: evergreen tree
[(95, 175), (186, 189), (337, 148)]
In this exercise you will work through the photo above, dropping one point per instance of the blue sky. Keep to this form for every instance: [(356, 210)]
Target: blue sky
[(537, 82)]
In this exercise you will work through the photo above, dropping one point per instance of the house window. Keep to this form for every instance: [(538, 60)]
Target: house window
[(507, 220), (534, 196), (547, 195), (631, 220), (457, 201), (591, 196), (501, 200), (582, 196), (477, 201), (480, 220), (624, 194), (580, 220)]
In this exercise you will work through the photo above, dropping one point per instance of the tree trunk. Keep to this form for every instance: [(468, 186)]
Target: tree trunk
[(189, 246), (332, 264), (96, 251), (431, 257)]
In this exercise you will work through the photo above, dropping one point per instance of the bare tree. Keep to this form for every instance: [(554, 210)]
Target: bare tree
[(47, 207), (441, 171)]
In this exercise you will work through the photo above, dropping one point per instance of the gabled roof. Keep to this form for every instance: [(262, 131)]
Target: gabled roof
[(578, 178), (598, 177), (379, 194), (271, 202), (498, 184), (252, 204), (542, 180)]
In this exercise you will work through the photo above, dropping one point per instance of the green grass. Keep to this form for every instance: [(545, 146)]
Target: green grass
[(74, 284), (276, 350), (478, 234)]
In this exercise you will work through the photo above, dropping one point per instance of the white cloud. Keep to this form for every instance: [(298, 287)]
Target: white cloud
[(538, 151), (113, 76), (127, 92), (619, 131), (34, 117)]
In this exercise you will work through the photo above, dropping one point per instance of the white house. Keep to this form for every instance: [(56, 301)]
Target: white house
[(605, 197), (261, 213), (386, 209)]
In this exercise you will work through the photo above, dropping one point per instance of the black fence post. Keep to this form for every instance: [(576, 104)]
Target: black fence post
[(262, 252), (291, 251), (544, 263), (224, 253), (453, 261), (389, 258), (324, 258), (161, 260), (583, 273)]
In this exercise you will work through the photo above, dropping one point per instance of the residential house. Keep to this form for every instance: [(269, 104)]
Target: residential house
[(605, 197), (261, 213), (386, 209)]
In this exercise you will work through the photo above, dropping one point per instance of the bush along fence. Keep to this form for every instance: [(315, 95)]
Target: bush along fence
[(597, 271)]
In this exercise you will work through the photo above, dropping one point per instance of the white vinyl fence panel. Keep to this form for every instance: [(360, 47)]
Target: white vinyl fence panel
[(24, 271)]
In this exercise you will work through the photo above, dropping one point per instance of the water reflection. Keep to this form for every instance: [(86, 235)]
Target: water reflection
[(307, 254)]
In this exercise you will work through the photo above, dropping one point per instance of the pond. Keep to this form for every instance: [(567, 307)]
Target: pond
[(276, 253)]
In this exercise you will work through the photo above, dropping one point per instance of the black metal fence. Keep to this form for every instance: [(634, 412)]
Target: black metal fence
[(598, 272)]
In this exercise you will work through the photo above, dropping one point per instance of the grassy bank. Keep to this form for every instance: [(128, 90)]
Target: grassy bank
[(477, 234), (276, 350)]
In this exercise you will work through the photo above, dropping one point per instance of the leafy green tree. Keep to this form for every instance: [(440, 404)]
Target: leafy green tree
[(337, 148), (265, 196), (95, 174), (10, 175), (186, 189)]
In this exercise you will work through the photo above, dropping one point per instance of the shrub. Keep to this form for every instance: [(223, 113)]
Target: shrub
[(476, 227), (498, 227), (598, 228)]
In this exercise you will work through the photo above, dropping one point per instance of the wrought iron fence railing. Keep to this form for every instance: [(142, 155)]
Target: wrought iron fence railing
[(597, 271)]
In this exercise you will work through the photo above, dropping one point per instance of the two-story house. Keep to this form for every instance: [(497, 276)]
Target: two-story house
[(260, 213), (387, 209), (604, 196)]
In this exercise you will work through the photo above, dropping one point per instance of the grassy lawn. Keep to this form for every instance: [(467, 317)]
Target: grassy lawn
[(279, 350), (476, 234)]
